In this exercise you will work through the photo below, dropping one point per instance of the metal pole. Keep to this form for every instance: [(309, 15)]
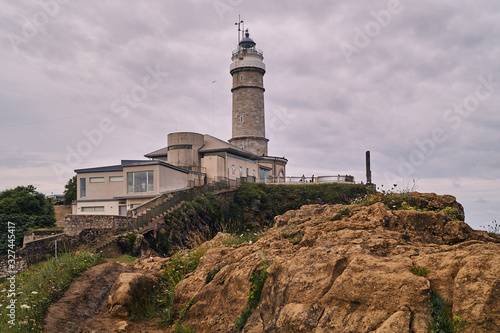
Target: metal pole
[(368, 169)]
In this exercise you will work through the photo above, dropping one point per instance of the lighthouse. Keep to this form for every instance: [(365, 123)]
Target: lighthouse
[(248, 119)]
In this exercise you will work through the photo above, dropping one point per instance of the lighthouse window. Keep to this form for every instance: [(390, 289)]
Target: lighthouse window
[(240, 118), (241, 78)]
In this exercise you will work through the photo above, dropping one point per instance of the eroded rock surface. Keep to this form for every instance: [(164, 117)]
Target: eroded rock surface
[(335, 268)]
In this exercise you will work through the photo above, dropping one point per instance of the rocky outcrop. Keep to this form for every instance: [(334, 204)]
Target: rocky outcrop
[(347, 268), (128, 290)]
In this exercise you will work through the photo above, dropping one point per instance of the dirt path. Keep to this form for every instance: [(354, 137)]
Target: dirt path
[(83, 306)]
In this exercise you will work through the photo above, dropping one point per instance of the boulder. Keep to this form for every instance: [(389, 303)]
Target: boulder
[(128, 291)]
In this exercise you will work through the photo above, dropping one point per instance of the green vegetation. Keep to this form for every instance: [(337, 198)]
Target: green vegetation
[(126, 259), (38, 287), (24, 208), (442, 322), (344, 211), (450, 212), (258, 279), (205, 208), (261, 202), (179, 328), (162, 299), (294, 236), (492, 229), (246, 237), (69, 194), (405, 206), (418, 270)]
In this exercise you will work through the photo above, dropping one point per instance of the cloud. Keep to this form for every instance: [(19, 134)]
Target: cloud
[(389, 98)]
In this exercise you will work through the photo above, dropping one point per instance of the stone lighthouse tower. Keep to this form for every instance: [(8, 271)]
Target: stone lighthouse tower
[(247, 70)]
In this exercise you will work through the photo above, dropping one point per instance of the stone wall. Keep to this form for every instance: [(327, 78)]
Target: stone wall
[(75, 224), (30, 236), (33, 252)]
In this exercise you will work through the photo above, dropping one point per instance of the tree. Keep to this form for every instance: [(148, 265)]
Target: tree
[(24, 208), (25, 200), (70, 191)]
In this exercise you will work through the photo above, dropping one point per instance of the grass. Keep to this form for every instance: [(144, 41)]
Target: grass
[(246, 237), (38, 287), (126, 259), (493, 228), (159, 302), (418, 270), (258, 280), (442, 322), (293, 236)]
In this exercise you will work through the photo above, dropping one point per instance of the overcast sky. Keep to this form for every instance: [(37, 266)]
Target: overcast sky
[(89, 83)]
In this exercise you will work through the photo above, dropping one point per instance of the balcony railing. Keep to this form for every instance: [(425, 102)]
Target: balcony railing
[(251, 50), (343, 179)]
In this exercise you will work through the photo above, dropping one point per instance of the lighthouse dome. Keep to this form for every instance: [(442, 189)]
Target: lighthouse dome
[(247, 42)]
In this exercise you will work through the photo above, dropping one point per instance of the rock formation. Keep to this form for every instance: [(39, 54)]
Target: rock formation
[(128, 290), (347, 268)]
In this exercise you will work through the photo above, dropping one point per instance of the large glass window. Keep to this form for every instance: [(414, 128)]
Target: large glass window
[(83, 188), (140, 182)]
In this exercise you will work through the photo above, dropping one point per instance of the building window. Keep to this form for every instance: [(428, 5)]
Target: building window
[(233, 169), (93, 209), (132, 206), (140, 182), (240, 118), (96, 179), (241, 78), (241, 171), (83, 188), (175, 147), (116, 178), (247, 173), (253, 173)]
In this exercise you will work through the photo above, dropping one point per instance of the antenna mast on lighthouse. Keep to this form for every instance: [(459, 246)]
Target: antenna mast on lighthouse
[(239, 23)]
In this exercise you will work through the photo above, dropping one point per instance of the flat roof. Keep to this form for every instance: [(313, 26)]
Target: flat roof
[(130, 163)]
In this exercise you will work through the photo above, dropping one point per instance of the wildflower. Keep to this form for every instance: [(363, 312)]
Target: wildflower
[(34, 292), (25, 306)]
